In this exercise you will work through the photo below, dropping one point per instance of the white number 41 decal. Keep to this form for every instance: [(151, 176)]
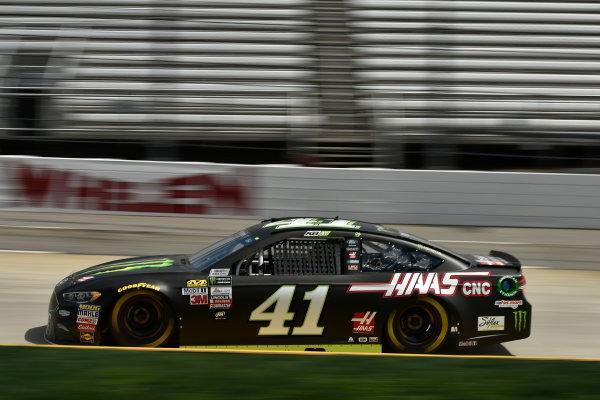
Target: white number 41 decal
[(282, 299)]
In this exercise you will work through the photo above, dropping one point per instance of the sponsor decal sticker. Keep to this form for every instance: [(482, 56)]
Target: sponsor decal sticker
[(64, 313), (219, 280), (410, 283), (520, 320), (514, 304), (352, 267), (220, 315), (86, 337), (350, 339), (85, 278), (141, 285), (492, 323), (313, 223), (317, 233), (476, 288), (486, 260), (352, 242), (87, 320), (353, 255), (373, 339), (467, 343), (216, 306), (86, 327), (364, 322), (508, 286), (363, 339), (198, 299), (187, 291), (221, 290), (196, 283), (219, 272)]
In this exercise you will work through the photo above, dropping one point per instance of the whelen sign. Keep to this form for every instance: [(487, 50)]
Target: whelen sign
[(94, 187)]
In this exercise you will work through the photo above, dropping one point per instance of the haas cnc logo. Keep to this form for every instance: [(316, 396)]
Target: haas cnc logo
[(364, 322)]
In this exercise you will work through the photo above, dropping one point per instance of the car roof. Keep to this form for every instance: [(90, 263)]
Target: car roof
[(302, 223)]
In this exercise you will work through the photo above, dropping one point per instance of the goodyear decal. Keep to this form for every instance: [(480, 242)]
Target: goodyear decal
[(131, 265), (141, 285)]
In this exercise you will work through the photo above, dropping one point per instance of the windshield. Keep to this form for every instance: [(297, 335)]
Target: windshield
[(217, 251)]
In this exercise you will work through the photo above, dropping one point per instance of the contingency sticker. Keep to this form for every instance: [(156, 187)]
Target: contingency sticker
[(88, 314), (493, 323), (198, 295), (221, 297), (219, 272)]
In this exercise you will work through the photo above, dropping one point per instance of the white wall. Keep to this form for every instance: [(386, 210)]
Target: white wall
[(378, 195)]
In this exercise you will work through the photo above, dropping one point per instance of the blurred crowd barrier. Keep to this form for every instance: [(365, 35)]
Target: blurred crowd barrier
[(402, 84), (265, 191)]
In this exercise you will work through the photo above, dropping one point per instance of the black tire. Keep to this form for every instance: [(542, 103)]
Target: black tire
[(420, 325), (142, 318)]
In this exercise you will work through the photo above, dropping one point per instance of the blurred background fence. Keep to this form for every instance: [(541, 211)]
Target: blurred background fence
[(496, 85)]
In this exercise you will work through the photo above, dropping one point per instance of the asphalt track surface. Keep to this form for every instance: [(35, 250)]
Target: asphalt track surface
[(38, 249)]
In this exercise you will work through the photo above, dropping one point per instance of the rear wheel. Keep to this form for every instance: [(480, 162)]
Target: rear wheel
[(142, 318), (419, 325)]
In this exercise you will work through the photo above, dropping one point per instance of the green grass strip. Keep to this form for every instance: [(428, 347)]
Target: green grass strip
[(65, 373)]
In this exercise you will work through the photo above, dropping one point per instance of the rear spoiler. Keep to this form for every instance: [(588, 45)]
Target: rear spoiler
[(496, 259)]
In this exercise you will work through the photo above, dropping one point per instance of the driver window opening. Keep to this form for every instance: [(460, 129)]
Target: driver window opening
[(390, 256)]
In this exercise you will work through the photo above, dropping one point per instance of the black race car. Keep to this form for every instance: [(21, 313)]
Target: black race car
[(309, 281)]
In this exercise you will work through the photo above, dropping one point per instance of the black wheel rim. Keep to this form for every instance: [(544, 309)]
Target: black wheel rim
[(143, 319), (419, 325)]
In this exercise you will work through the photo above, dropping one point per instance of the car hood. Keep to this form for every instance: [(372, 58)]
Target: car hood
[(133, 266)]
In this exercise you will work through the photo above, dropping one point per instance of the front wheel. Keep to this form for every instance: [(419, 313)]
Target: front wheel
[(420, 325), (142, 318)]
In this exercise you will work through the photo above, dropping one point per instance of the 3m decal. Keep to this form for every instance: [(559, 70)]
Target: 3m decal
[(520, 320), (131, 266), (280, 301), (514, 304), (494, 323), (409, 283), (508, 286), (141, 285), (198, 299), (364, 322), (196, 283), (198, 295), (312, 223)]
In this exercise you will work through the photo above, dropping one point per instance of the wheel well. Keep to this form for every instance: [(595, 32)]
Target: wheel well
[(107, 316)]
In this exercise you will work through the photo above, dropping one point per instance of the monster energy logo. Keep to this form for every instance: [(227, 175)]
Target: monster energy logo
[(131, 265), (520, 320)]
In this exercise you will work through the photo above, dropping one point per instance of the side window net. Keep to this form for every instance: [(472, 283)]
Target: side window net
[(306, 257)]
